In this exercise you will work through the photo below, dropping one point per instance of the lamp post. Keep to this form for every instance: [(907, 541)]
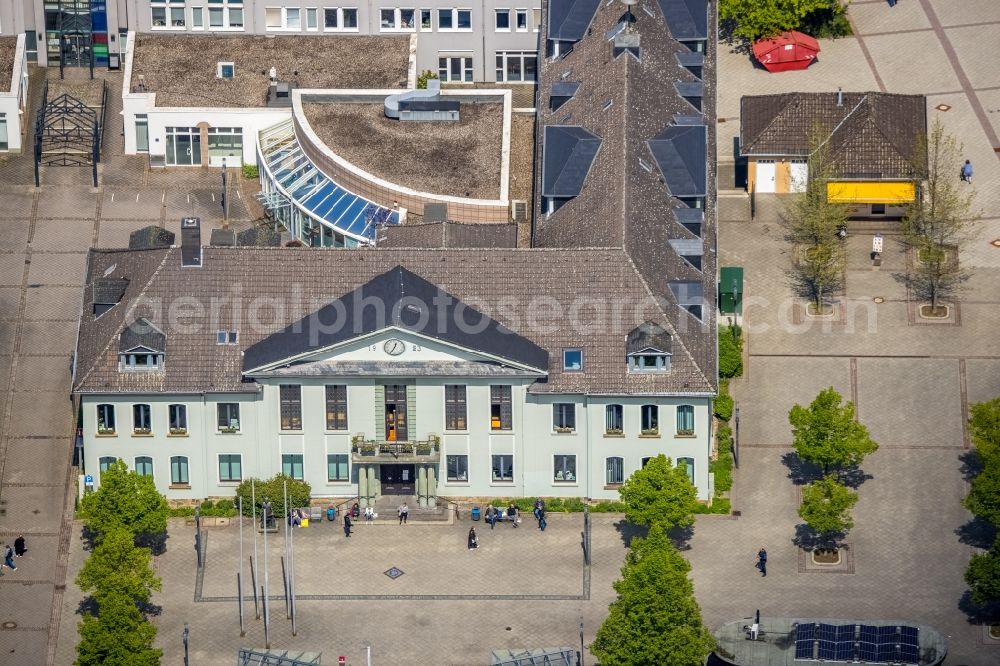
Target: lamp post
[(185, 636), (736, 438)]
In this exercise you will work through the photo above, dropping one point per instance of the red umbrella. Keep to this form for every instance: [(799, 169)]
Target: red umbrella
[(789, 50)]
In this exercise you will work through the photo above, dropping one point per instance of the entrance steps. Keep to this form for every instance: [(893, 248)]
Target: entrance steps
[(386, 507)]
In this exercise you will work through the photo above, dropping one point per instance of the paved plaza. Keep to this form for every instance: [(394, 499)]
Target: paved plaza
[(912, 382)]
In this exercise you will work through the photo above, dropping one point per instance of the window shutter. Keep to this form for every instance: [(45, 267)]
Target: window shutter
[(411, 411), (380, 413)]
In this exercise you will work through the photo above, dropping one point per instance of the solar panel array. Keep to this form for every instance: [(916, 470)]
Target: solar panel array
[(857, 643)]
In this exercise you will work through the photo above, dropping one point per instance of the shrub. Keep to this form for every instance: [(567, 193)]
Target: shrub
[(720, 505), (730, 352), (424, 77), (724, 403), (182, 512), (207, 505), (225, 505), (573, 505), (299, 493), (723, 466), (608, 507), (828, 23), (250, 171)]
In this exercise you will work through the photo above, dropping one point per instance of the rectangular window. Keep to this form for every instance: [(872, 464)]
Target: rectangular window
[(142, 133), (455, 69), (230, 468), (144, 466), (536, 19), (516, 65), (458, 468), (350, 19), (463, 20), (688, 465), (426, 20), (503, 20), (503, 467), (105, 462), (613, 421), (336, 407), (614, 471), (197, 18), (649, 362), (283, 18), (179, 471), (388, 19), (564, 416), (445, 19), (105, 419), (650, 419), (501, 412), (337, 467), (229, 416), (312, 18), (159, 17), (291, 406), (178, 419), (225, 146), (454, 407), (564, 468), (331, 18), (685, 420), (573, 360), (142, 419), (225, 70), (407, 19), (216, 17), (291, 465), (293, 18), (521, 20), (236, 18)]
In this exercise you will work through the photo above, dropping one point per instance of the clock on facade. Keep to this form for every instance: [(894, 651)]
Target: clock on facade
[(394, 346)]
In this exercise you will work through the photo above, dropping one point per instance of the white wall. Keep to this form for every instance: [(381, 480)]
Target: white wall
[(14, 98)]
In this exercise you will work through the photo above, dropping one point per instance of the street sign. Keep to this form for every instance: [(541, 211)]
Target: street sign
[(877, 244), (88, 480)]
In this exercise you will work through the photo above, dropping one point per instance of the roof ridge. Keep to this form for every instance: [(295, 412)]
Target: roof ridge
[(862, 101), (97, 357), (791, 97), (670, 325)]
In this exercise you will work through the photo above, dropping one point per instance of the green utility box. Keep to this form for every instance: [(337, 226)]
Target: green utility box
[(731, 290)]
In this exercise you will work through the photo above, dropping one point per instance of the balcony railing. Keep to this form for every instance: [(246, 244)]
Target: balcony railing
[(371, 450)]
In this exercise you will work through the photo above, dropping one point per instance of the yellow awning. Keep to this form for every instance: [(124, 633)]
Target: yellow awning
[(870, 192)]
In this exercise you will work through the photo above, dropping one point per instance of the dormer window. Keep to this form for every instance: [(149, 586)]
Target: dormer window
[(573, 360), (141, 360), (226, 337), (648, 348), (141, 348)]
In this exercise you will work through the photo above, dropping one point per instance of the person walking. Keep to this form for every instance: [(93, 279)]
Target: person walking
[(473, 539), (967, 172), (404, 512), (19, 547), (347, 524), (8, 558), (762, 561), (542, 523), (491, 516), (512, 514)]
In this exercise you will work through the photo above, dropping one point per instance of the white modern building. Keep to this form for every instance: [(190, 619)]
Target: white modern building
[(375, 372), (13, 94)]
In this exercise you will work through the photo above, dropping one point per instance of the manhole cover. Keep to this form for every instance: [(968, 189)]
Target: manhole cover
[(9, 625), (393, 573), (943, 107)]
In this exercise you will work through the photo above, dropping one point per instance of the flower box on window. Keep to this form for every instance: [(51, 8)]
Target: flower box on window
[(178, 431), (368, 449), (614, 431), (565, 429), (650, 432), (424, 449), (229, 429), (101, 430), (141, 431), (685, 433)]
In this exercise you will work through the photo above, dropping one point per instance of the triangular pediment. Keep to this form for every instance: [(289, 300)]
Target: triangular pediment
[(396, 305)]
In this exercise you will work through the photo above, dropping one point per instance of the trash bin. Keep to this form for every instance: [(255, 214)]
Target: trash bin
[(475, 513), (331, 513), (305, 522)]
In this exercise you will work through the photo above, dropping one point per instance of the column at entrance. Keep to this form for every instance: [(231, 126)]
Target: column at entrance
[(368, 484), (427, 486), (422, 486)]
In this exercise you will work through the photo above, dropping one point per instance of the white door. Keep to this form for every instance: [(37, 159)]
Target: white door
[(765, 176), (798, 174)]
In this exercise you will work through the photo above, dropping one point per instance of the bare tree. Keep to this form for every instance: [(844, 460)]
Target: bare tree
[(940, 219), (814, 227)]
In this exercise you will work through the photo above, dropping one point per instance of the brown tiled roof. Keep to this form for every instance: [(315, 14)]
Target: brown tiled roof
[(181, 69), (624, 202), (8, 47), (870, 134), (535, 293), (450, 234)]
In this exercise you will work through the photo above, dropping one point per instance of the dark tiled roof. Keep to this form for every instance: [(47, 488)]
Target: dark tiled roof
[(626, 202), (648, 336), (142, 333), (535, 293), (149, 238), (407, 301), (448, 234), (568, 152), (569, 19), (223, 238), (870, 134), (258, 236), (109, 291), (680, 154)]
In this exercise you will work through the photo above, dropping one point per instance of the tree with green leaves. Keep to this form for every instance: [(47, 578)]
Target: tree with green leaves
[(659, 494), (984, 427), (117, 566), (766, 18), (299, 493), (655, 619), (826, 433), (940, 220), (125, 500), (826, 507), (730, 352), (117, 636), (813, 224), (983, 575), (984, 493)]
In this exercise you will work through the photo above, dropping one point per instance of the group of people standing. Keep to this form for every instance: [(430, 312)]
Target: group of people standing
[(18, 550), (493, 515), (403, 513)]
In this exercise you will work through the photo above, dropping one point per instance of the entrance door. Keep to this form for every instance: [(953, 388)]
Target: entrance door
[(183, 146), (397, 479), (765, 176), (76, 50), (798, 174), (395, 413)]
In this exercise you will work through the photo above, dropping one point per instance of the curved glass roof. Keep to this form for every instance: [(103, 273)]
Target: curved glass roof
[(313, 192)]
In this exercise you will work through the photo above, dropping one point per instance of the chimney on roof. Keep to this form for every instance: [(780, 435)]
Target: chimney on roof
[(840, 96), (191, 241)]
